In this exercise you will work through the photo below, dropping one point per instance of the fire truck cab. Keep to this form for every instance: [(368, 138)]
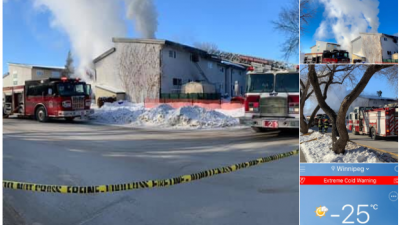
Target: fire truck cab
[(50, 98), (374, 121), (327, 56), (272, 100)]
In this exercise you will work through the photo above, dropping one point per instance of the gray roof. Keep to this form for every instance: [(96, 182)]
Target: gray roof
[(160, 42), (377, 97), (37, 66), (105, 54), (150, 41)]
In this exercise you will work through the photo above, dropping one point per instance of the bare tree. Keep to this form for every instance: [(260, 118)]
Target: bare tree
[(209, 47), (288, 23), (307, 12), (327, 75), (338, 121), (140, 71)]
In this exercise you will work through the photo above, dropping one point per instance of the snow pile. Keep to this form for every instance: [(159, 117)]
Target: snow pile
[(162, 116), (232, 112), (118, 113), (313, 135), (319, 151), (187, 116)]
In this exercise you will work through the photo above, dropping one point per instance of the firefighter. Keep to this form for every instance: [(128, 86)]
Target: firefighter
[(326, 125), (320, 124)]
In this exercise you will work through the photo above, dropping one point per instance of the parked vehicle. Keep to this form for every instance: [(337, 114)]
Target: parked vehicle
[(50, 98), (272, 100), (373, 121)]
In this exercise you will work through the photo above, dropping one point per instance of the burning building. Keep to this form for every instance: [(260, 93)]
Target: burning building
[(149, 68)]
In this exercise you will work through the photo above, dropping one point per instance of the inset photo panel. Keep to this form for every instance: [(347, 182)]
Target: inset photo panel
[(349, 113), (349, 31)]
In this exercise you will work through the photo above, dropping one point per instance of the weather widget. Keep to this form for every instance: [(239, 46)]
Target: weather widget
[(348, 194)]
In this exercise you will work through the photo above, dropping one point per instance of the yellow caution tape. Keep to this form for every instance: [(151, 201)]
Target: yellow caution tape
[(141, 184)]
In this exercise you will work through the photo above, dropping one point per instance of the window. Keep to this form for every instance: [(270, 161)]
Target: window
[(389, 52), (172, 54), (177, 82), (39, 73), (189, 80), (15, 78), (55, 74), (329, 45), (210, 65), (385, 39), (194, 58), (222, 69)]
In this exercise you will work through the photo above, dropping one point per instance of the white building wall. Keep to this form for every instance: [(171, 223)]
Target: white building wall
[(388, 45), (133, 68), (181, 67), (107, 72), (18, 75)]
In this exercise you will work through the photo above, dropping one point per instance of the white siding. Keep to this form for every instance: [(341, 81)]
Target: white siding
[(133, 68), (388, 45), (18, 74)]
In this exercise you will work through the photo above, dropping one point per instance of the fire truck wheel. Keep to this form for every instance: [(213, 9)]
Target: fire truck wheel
[(41, 114), (259, 129), (373, 134)]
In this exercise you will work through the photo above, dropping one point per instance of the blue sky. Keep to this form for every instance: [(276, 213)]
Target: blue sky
[(388, 18), (230, 24)]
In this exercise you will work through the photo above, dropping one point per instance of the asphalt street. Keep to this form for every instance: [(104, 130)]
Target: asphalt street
[(83, 154)]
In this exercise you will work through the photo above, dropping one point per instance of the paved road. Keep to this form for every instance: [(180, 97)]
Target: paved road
[(85, 154), (387, 144)]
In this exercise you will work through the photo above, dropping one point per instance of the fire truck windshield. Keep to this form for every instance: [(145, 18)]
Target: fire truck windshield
[(287, 82), (257, 83), (70, 89)]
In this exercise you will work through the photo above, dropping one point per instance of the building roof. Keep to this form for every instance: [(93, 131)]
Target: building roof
[(377, 97), (160, 42), (228, 63), (37, 66), (327, 43), (381, 34), (105, 54), (149, 41)]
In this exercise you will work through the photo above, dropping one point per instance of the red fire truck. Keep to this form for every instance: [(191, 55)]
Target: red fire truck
[(327, 56), (272, 100), (374, 121), (50, 98)]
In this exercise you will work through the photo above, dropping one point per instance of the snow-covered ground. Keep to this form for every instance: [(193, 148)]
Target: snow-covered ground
[(319, 151), (125, 113)]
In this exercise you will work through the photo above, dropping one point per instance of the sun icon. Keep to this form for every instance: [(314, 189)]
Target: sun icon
[(321, 210)]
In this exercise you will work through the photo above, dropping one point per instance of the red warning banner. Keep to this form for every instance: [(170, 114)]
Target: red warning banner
[(348, 180)]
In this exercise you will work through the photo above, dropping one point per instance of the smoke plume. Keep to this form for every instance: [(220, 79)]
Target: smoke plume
[(347, 18), (144, 13), (91, 24)]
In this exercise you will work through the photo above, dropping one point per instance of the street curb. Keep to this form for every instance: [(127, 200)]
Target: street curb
[(393, 155)]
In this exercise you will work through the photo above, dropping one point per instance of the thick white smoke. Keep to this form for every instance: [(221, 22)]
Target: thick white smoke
[(91, 24), (345, 19)]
